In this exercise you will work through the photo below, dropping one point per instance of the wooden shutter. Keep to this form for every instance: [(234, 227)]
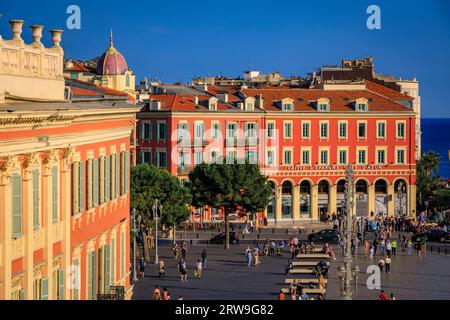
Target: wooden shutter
[(113, 261), (61, 284), (127, 171), (107, 266), (122, 255), (22, 294), (108, 178), (55, 194), (17, 205), (76, 279), (89, 276), (117, 177), (81, 187), (94, 275), (36, 199), (95, 188), (44, 289), (75, 197)]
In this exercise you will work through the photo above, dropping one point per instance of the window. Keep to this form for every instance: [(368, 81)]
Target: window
[(231, 156), (251, 156), (401, 156), (400, 130), (361, 130), (362, 156), (215, 156), (342, 156), (107, 180), (322, 107), (146, 131), (305, 130), (381, 156), (36, 213), (270, 130), (55, 217), (362, 107), (183, 132), (216, 131), (323, 156), (16, 181), (199, 131), (305, 157), (92, 275), (287, 130), (198, 157), (270, 157), (124, 172), (231, 130), (78, 185), (381, 130), (287, 157), (122, 255), (250, 106), (161, 131), (146, 157), (251, 130), (161, 159), (287, 107), (323, 130), (342, 130)]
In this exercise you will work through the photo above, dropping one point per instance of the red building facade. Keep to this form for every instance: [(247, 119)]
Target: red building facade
[(302, 138)]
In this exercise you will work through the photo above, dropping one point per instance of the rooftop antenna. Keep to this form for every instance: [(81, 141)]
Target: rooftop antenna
[(110, 38)]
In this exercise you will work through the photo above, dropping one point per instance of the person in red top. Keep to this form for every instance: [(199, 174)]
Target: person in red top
[(281, 296), (383, 295)]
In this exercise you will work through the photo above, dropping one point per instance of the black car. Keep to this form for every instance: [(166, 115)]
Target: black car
[(325, 235), (433, 235), (220, 238)]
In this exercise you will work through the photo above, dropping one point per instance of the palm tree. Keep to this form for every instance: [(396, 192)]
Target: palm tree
[(428, 179)]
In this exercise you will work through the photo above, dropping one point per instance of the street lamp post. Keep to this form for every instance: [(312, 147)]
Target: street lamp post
[(346, 273), (155, 215), (135, 278)]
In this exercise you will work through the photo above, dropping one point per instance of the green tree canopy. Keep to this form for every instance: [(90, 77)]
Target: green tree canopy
[(229, 186), (428, 180), (149, 183)]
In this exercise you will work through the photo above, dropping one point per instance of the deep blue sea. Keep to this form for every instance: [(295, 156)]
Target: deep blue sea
[(436, 137)]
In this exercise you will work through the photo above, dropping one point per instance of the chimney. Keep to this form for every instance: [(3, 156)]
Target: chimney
[(56, 37), (36, 31), (16, 29), (260, 101), (223, 97), (196, 99)]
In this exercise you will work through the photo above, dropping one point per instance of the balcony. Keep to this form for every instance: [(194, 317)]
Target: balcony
[(184, 142), (184, 169)]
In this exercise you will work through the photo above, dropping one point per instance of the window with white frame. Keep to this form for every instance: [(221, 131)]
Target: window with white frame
[(270, 130), (198, 157), (287, 130), (251, 156), (146, 131), (305, 130), (216, 131), (361, 129), (183, 131), (400, 130), (342, 156), (199, 131), (323, 130), (381, 156), (381, 130), (342, 130), (362, 156), (323, 156), (305, 157), (287, 157), (162, 130), (161, 159), (270, 157), (401, 156)]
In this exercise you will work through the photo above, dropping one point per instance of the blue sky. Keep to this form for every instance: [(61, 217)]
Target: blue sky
[(177, 40)]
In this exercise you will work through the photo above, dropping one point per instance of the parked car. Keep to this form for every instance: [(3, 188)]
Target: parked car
[(433, 235), (325, 235), (220, 238)]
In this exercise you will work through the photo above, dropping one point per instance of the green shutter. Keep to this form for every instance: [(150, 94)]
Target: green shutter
[(89, 275), (36, 199), (94, 275), (61, 284), (127, 171), (107, 268), (75, 199), (107, 178), (55, 194), (95, 188), (116, 194), (17, 205), (81, 187), (76, 279), (22, 294), (44, 289), (122, 255), (113, 261)]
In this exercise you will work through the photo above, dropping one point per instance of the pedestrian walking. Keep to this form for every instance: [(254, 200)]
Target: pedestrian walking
[(392, 297), (142, 267), (182, 269), (383, 296), (281, 295), (394, 247), (156, 293), (166, 294), (387, 262), (381, 264), (248, 256), (366, 247), (204, 254), (184, 250), (423, 242), (161, 268), (175, 250), (409, 247), (371, 252), (375, 245), (198, 269), (388, 248)]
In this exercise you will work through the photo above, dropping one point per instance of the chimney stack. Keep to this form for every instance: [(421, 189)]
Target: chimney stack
[(260, 101), (16, 29), (223, 97), (36, 31), (196, 99)]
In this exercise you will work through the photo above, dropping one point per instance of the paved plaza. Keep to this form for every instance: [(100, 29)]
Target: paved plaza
[(228, 277)]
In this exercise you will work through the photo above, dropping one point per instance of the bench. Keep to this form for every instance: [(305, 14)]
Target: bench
[(302, 271), (307, 263), (304, 281), (306, 290), (316, 250), (313, 256)]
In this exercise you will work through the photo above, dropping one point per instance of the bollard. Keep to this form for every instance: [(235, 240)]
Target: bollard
[(299, 231)]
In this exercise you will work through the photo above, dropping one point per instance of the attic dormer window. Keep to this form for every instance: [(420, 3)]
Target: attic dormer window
[(323, 105), (249, 104), (288, 107), (155, 105), (361, 105), (212, 104)]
